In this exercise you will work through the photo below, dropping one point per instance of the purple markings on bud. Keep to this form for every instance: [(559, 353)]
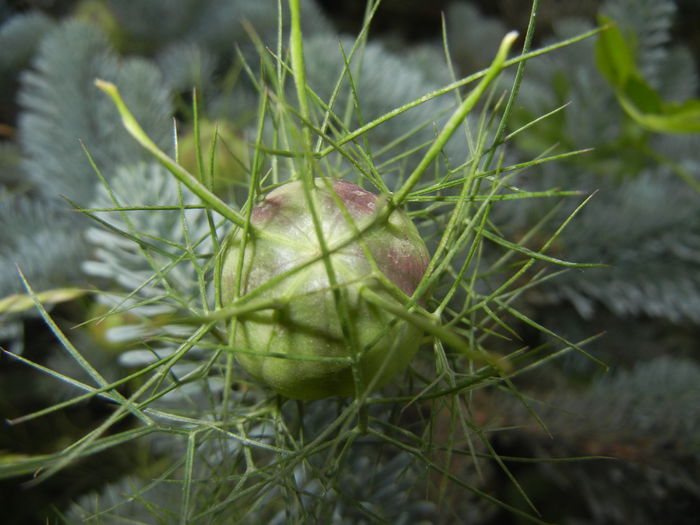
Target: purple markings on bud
[(405, 268), (359, 201), (266, 209)]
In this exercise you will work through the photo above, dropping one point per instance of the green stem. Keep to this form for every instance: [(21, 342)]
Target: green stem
[(297, 50), (136, 131), (445, 335), (349, 137), (457, 118), (516, 84)]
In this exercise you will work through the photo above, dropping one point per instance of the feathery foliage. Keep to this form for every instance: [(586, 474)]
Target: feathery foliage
[(645, 421), (61, 109), (41, 240)]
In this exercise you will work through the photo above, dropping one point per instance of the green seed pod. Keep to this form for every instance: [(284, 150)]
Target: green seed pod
[(97, 13), (230, 153), (302, 349)]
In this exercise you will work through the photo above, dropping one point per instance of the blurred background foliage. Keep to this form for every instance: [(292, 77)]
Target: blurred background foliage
[(644, 221)]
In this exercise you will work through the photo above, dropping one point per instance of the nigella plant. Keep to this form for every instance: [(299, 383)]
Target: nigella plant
[(343, 312)]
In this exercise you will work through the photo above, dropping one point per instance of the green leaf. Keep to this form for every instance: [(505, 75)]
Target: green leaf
[(672, 118), (17, 303), (613, 55), (641, 96), (615, 58)]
